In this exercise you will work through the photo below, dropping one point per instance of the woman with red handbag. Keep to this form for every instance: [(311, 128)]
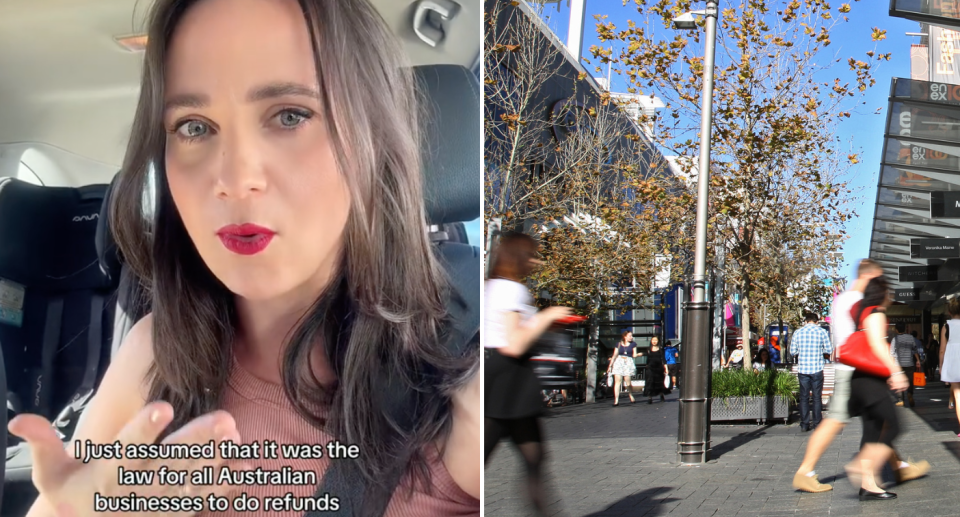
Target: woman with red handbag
[(868, 351)]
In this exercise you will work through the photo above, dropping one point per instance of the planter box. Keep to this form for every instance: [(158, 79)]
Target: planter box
[(761, 409)]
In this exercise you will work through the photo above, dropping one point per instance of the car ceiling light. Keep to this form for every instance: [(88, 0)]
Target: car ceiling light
[(132, 42)]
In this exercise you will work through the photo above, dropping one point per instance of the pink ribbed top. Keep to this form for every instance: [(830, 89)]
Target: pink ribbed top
[(262, 412)]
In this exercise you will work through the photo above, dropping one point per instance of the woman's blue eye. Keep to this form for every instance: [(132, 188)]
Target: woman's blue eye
[(192, 129), (291, 118)]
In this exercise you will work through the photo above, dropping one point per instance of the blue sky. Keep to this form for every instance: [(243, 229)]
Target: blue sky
[(864, 126)]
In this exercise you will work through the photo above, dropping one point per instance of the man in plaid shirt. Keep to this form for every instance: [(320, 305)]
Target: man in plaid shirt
[(810, 344)]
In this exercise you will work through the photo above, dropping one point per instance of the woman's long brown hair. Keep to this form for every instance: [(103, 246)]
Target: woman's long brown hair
[(383, 316), (511, 260)]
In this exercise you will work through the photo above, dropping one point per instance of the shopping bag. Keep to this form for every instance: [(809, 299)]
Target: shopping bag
[(666, 381), (856, 351), (919, 379)]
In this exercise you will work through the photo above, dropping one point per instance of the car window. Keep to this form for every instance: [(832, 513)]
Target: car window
[(25, 173)]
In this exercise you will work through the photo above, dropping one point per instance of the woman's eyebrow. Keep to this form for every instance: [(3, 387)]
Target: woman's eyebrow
[(257, 94), (285, 89)]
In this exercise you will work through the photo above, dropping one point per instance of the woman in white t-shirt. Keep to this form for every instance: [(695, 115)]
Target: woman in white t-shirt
[(512, 400)]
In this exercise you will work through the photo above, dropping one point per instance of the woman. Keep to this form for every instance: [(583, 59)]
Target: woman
[(512, 399), (295, 295), (869, 397), (950, 353), (656, 371), (762, 361), (623, 366)]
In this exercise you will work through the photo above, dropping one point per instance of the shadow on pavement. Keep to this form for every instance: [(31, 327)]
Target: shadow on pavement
[(932, 407), (953, 448), (640, 503), (732, 443)]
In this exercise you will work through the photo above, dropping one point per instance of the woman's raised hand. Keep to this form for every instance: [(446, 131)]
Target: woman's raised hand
[(68, 483), (557, 312)]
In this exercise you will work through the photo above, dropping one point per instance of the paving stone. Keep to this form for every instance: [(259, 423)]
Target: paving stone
[(606, 461)]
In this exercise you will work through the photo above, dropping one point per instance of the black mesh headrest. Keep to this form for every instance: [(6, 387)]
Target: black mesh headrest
[(47, 235), (107, 250), (453, 160)]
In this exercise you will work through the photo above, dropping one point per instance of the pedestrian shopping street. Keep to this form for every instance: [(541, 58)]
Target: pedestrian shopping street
[(621, 461)]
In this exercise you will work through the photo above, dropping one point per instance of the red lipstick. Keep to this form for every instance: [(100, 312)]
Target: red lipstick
[(245, 239)]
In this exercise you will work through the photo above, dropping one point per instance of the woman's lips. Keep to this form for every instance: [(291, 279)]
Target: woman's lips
[(245, 239)]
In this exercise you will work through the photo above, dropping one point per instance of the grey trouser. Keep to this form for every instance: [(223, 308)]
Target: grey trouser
[(841, 396)]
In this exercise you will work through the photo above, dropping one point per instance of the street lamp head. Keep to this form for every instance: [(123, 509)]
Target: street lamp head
[(686, 21)]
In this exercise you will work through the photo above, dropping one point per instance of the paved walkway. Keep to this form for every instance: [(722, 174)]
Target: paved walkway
[(606, 461)]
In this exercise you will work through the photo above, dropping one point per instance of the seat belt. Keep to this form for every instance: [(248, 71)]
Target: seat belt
[(43, 381), (87, 387)]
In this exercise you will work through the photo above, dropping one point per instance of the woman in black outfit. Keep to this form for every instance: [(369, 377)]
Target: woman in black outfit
[(870, 395), (512, 399), (656, 371)]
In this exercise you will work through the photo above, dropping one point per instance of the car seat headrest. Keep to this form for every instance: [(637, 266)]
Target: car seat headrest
[(107, 250), (452, 133), (47, 235)]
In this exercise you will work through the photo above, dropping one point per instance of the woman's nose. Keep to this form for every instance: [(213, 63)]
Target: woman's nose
[(242, 169)]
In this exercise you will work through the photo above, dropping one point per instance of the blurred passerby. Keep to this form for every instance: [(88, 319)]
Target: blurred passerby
[(512, 399), (842, 326), (623, 366), (810, 344), (653, 384), (933, 356), (735, 360), (950, 352), (762, 361), (921, 353), (672, 355), (869, 397), (907, 355)]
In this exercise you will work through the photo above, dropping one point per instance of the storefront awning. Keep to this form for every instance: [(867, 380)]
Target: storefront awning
[(921, 155)]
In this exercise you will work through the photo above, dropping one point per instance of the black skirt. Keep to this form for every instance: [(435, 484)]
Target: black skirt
[(511, 389)]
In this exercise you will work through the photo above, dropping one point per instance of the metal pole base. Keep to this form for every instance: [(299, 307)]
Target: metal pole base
[(693, 445)]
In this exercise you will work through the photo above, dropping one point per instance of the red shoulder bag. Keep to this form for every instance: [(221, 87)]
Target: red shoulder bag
[(856, 350)]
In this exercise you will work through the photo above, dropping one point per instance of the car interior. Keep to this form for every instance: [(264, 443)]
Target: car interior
[(68, 91)]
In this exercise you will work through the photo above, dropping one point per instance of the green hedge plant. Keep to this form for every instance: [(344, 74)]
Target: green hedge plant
[(744, 383)]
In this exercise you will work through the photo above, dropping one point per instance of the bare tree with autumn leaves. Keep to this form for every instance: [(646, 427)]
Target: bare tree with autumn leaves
[(581, 177), (518, 64), (610, 221), (778, 167)]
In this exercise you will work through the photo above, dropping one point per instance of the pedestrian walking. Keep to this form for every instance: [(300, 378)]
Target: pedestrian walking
[(811, 344), (656, 372), (868, 393), (933, 357), (950, 352), (908, 357), (672, 354), (920, 350), (623, 366), (512, 401), (842, 326)]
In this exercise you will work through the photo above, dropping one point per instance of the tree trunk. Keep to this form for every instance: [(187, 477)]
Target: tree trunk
[(745, 330), (592, 352)]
